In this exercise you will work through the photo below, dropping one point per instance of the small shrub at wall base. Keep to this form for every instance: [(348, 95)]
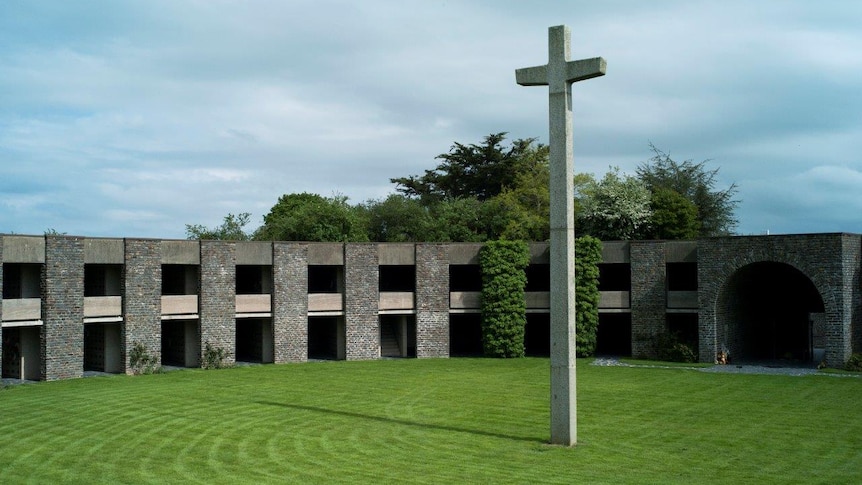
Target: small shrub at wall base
[(141, 362), (669, 347), (854, 363), (214, 357)]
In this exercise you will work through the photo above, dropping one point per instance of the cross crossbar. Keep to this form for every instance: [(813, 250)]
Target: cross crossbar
[(575, 71)]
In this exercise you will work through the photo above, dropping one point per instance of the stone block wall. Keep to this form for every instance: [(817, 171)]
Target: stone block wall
[(290, 302), (361, 301), (432, 300), (218, 297), (830, 261), (142, 300), (850, 329), (648, 295), (62, 336)]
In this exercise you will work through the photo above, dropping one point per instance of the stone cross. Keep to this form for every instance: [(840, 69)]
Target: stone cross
[(559, 74)]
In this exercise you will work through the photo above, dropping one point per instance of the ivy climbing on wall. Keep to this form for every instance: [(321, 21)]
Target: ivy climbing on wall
[(504, 309), (588, 255)]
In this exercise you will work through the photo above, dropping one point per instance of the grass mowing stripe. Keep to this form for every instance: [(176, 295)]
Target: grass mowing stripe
[(430, 421)]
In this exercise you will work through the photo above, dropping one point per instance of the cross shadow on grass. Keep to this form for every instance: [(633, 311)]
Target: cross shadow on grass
[(403, 422)]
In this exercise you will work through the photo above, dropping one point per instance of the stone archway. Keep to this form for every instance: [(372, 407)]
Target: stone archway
[(764, 313)]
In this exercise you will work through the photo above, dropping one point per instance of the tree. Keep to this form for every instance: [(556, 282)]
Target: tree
[(673, 216), (486, 191), (522, 211), (398, 219), (311, 217), (616, 207), (473, 171), (459, 220), (231, 229), (715, 208)]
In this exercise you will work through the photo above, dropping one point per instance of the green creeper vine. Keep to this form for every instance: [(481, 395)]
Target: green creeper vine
[(588, 255), (504, 308)]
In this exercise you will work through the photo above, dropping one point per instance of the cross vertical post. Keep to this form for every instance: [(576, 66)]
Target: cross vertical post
[(559, 74)]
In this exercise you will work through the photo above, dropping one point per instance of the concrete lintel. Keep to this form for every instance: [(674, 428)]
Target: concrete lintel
[(23, 249), (23, 323), (254, 252), (181, 252), (104, 251)]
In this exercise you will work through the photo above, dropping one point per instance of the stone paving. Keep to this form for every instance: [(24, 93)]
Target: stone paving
[(730, 368), (8, 381)]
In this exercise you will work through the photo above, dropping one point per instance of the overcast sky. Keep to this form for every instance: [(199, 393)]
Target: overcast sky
[(121, 118)]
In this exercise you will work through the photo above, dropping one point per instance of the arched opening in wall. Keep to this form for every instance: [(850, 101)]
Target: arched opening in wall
[(398, 335), (465, 335), (537, 335), (614, 335), (764, 314), (326, 338)]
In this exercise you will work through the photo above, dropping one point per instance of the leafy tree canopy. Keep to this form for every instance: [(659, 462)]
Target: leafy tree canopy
[(498, 190), (697, 184), (231, 229), (673, 216), (615, 207), (399, 219), (473, 171), (522, 211), (311, 217), (459, 220)]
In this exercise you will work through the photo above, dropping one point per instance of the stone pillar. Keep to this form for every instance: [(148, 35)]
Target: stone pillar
[(218, 297), (432, 300), (713, 269), (648, 295), (361, 301), (840, 331), (267, 355), (290, 302), (62, 342), (142, 300), (402, 335)]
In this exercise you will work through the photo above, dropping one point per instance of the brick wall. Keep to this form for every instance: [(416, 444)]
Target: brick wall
[(218, 297), (290, 302), (361, 300), (648, 295), (851, 324), (830, 261), (432, 300), (142, 299), (62, 336)]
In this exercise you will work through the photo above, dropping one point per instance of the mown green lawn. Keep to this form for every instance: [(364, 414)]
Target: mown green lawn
[(431, 421)]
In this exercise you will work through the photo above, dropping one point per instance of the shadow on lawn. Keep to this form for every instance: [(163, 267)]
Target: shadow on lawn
[(382, 419)]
